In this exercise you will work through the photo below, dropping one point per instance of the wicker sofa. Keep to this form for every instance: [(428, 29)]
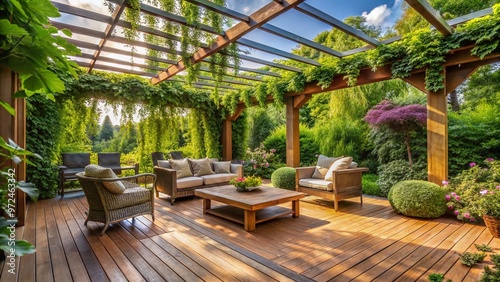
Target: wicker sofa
[(169, 180), (332, 184)]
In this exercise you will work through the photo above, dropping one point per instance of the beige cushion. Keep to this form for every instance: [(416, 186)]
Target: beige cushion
[(164, 163), (322, 166), (316, 184), (222, 167), (212, 161), (96, 171), (182, 167), (218, 178), (201, 167), (188, 182), (342, 163)]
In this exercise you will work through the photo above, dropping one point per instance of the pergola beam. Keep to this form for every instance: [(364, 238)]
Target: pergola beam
[(267, 63), (265, 14), (299, 39), (231, 81), (431, 15), (275, 51), (470, 16), (91, 46), (67, 9), (241, 76), (153, 11), (117, 69), (221, 10), (120, 62), (324, 17), (108, 32)]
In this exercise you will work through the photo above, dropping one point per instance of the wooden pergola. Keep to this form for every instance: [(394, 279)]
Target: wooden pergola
[(459, 65)]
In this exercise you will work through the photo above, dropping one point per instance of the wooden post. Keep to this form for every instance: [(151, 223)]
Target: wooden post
[(14, 127), (293, 104), (227, 142), (437, 135), (227, 133)]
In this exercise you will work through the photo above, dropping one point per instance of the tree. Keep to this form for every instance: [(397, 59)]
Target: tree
[(482, 87), (28, 45), (107, 131), (402, 119)]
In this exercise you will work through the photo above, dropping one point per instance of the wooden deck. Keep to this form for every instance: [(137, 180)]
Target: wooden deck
[(369, 243)]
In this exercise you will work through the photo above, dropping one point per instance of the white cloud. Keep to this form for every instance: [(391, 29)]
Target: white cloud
[(377, 16), (383, 15)]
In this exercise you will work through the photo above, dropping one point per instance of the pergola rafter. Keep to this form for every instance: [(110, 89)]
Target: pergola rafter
[(324, 17), (108, 32), (431, 15)]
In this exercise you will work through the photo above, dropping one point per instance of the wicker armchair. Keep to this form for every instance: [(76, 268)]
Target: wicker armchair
[(107, 207)]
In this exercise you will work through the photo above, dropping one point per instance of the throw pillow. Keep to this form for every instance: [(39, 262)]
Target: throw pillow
[(212, 161), (353, 165), (97, 171), (342, 163), (182, 167), (201, 167), (164, 163), (322, 166), (222, 167)]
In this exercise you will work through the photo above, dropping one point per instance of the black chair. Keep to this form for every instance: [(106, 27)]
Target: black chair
[(112, 160), (176, 155), (157, 156), (72, 163)]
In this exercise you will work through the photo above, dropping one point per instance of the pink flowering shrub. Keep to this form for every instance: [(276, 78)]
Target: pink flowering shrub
[(475, 192), (260, 162)]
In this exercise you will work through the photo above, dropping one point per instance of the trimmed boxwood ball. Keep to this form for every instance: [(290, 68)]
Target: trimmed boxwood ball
[(284, 177), (418, 198)]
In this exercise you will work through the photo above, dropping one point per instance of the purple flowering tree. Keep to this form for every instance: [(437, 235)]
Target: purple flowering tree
[(401, 119)]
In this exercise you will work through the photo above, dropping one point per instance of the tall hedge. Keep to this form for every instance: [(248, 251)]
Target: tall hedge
[(43, 127), (308, 146)]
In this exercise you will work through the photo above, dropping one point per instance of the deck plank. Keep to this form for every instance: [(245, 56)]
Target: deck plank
[(76, 267), (60, 267), (89, 259), (43, 269)]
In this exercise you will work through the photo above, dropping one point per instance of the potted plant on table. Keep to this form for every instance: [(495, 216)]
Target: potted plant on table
[(244, 184)]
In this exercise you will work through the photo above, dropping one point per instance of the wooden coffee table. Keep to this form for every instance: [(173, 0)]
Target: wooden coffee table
[(249, 208)]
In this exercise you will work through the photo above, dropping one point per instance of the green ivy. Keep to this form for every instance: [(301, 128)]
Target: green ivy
[(43, 125)]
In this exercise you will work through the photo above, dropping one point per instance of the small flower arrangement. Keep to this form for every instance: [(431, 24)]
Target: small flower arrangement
[(246, 182)]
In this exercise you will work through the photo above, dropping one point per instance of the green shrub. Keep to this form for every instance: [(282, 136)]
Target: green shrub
[(308, 147), (418, 198), (346, 138), (370, 187), (473, 137), (284, 177), (399, 170)]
